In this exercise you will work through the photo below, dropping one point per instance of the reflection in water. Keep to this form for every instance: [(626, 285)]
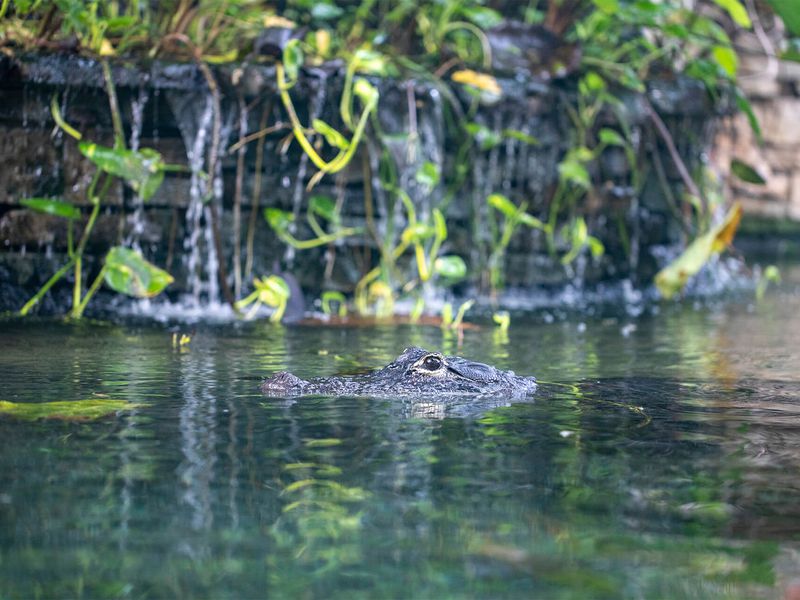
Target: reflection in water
[(655, 462), (198, 425)]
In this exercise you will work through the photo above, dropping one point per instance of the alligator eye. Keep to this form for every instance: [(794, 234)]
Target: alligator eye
[(432, 363)]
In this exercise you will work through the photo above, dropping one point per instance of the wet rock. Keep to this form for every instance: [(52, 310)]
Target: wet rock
[(680, 96), (779, 121), (524, 50)]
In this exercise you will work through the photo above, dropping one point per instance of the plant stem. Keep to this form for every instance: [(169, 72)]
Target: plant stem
[(116, 118), (76, 288), (676, 157), (45, 288), (318, 241), (70, 241), (78, 257), (59, 119), (78, 312)]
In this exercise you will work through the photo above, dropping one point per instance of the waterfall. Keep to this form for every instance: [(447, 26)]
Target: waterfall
[(136, 220)]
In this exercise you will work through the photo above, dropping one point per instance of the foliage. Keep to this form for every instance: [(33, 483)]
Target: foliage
[(124, 270), (272, 291), (622, 45), (671, 279), (512, 216), (770, 275)]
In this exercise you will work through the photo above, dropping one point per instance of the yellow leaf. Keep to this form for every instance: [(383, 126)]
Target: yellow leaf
[(218, 59), (727, 229), (278, 21), (672, 278), (482, 81), (106, 49), (322, 40)]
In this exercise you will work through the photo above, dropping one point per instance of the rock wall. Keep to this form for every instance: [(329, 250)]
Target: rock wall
[(773, 88), (165, 106)]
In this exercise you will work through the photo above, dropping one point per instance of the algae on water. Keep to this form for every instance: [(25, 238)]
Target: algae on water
[(67, 410)]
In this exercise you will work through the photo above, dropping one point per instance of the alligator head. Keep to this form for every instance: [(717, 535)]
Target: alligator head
[(415, 373)]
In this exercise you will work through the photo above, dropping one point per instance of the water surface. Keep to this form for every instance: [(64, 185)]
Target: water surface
[(660, 458)]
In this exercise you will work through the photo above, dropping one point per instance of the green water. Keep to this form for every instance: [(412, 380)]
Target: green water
[(660, 458)]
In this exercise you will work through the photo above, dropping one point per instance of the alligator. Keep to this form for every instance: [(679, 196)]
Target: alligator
[(415, 373)]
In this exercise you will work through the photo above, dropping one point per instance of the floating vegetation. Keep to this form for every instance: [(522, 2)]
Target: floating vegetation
[(66, 410)]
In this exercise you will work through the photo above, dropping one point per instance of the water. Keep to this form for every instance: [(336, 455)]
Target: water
[(660, 458)]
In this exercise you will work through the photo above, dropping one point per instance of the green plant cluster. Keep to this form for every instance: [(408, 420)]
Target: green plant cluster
[(621, 45), (124, 270)]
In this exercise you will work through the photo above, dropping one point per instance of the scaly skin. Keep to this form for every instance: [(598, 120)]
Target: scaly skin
[(415, 373)]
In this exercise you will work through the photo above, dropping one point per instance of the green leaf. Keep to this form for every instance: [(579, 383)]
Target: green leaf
[(76, 410), (482, 16), (744, 105), (324, 206), (503, 204), (596, 247), (332, 296), (608, 7), (611, 137), (503, 319), (367, 92), (532, 221), (127, 272), (278, 219), (439, 225), (671, 279), (366, 60), (486, 138), (582, 154), (143, 170), (593, 82), (325, 11), (676, 30), (333, 137), (417, 233), (48, 206), (770, 275), (727, 59), (630, 79), (120, 23), (516, 134), (450, 267), (788, 11), (574, 172), (738, 12), (273, 290), (746, 173), (428, 175), (292, 59), (447, 314)]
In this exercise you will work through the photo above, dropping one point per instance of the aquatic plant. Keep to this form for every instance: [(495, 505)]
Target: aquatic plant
[(272, 291), (66, 410)]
